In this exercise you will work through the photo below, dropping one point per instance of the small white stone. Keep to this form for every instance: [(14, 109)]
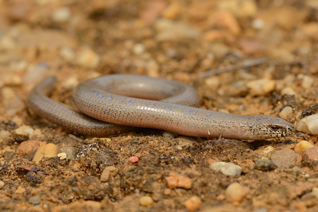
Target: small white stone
[(139, 49), (24, 130), (212, 82), (268, 149), (258, 23), (286, 113), (228, 169), (61, 14), (308, 124), (169, 134), (62, 156), (261, 87)]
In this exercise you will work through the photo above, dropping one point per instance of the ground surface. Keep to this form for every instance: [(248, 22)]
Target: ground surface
[(77, 40)]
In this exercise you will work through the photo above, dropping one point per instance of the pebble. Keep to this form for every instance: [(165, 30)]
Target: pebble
[(261, 87), (4, 134), (153, 68), (36, 73), (310, 29), (184, 142), (301, 146), (264, 164), (87, 58), (178, 181), (310, 156), (268, 150), (20, 190), (258, 23), (306, 81), (308, 124), (19, 65), (236, 192), (213, 35), (69, 151), (48, 150), (315, 192), (139, 49), (170, 30), (133, 159), (108, 171), (251, 47), (286, 113), (238, 88), (70, 82), (7, 93), (35, 200), (167, 191), (62, 156), (24, 130), (67, 53), (261, 210), (1, 184), (228, 169), (145, 201), (212, 82), (12, 80), (7, 42), (288, 90), (296, 169), (62, 14), (37, 134), (285, 158), (28, 146), (193, 203), (173, 10), (226, 20), (14, 105), (166, 134)]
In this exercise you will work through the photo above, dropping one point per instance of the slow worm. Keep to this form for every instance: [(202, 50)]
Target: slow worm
[(140, 101)]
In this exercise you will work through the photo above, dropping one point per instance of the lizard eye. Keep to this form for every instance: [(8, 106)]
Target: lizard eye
[(274, 128)]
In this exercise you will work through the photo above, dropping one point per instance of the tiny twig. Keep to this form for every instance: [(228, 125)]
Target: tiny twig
[(245, 64), (32, 169)]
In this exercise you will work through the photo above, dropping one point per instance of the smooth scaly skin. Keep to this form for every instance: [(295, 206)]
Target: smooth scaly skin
[(101, 98)]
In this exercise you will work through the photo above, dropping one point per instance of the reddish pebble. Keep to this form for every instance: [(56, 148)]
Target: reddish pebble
[(285, 158), (133, 159), (28, 146), (310, 157)]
